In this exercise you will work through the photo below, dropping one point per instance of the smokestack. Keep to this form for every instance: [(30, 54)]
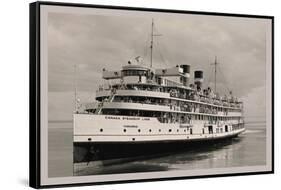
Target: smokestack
[(198, 79), (186, 73)]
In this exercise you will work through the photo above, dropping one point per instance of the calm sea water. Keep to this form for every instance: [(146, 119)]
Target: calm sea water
[(248, 149)]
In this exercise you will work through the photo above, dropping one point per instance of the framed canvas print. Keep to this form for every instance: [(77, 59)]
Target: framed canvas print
[(121, 94)]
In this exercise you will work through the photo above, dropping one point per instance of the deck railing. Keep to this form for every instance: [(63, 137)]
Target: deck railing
[(176, 94)]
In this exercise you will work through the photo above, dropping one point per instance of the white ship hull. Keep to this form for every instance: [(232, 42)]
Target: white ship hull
[(96, 136)]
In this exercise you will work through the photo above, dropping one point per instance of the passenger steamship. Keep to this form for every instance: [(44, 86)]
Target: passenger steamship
[(143, 111)]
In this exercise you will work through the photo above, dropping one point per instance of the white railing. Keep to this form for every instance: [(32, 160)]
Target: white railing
[(138, 106)]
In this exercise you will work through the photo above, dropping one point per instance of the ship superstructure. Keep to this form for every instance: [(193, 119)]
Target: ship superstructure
[(142, 110)]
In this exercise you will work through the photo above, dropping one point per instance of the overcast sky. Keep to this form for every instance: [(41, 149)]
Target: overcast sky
[(93, 42)]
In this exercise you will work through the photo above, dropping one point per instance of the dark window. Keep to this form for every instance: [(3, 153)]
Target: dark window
[(134, 73), (226, 128), (101, 130), (124, 130), (210, 129)]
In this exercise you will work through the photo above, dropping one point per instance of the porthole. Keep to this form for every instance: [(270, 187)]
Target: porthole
[(101, 130), (89, 139), (150, 130), (159, 130), (185, 130), (177, 130), (124, 130), (170, 130), (139, 130), (133, 139)]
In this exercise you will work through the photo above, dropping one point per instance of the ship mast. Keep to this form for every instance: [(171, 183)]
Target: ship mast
[(75, 88), (215, 63), (151, 42), (215, 74)]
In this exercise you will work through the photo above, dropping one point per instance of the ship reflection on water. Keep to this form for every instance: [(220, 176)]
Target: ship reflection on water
[(246, 150), (163, 162)]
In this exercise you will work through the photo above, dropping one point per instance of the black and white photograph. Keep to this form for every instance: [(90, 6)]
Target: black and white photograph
[(147, 94)]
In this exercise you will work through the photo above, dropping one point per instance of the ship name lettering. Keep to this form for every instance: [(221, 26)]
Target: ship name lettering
[(133, 126), (131, 118), (146, 119), (111, 117)]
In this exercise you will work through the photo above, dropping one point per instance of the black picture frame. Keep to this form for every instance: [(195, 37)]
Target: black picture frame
[(34, 98)]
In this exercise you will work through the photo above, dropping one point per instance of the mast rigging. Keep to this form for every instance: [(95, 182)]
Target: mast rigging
[(151, 42), (215, 63)]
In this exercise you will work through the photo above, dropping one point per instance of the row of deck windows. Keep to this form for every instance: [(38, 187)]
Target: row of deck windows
[(179, 93), (167, 117), (214, 118), (175, 104), (218, 130), (134, 73), (170, 130)]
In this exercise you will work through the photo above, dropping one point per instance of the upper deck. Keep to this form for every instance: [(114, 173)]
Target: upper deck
[(140, 90), (178, 93)]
